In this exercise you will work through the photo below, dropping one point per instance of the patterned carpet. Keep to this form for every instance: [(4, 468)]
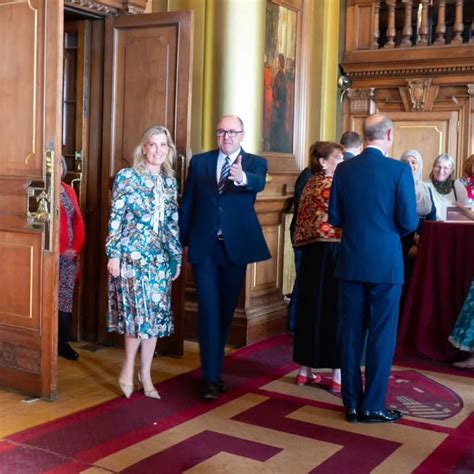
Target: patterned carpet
[(264, 424)]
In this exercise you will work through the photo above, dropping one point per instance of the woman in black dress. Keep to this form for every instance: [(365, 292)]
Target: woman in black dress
[(317, 314)]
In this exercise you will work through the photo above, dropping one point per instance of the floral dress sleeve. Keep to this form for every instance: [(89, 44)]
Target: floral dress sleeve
[(171, 224), (117, 211)]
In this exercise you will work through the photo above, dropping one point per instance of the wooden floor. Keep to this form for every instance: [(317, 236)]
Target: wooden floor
[(83, 384)]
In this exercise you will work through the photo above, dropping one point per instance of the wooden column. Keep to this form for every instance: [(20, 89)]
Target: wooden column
[(233, 84), (407, 28), (375, 43), (458, 23), (441, 25), (423, 31), (391, 25)]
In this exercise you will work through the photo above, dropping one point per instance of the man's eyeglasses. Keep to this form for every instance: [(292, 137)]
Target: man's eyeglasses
[(230, 133)]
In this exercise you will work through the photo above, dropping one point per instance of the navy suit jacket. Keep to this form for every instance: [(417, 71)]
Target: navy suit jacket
[(347, 155), (373, 201), (204, 210)]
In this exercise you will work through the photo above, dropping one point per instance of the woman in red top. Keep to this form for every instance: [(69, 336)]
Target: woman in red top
[(468, 179), (71, 241), (317, 310)]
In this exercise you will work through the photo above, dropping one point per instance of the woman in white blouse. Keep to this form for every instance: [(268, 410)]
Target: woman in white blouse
[(446, 190)]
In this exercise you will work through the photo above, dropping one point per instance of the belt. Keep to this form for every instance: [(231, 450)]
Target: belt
[(220, 237)]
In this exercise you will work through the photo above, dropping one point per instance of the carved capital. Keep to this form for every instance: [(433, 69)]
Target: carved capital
[(418, 90), (361, 100), (470, 89)]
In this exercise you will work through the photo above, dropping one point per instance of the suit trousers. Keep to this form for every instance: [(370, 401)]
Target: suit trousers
[(218, 283), (370, 309)]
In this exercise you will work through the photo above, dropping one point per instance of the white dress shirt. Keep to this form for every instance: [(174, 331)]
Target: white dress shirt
[(220, 164)]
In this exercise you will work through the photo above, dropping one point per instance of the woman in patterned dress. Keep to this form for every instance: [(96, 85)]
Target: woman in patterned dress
[(71, 241), (462, 336), (144, 254), (317, 310)]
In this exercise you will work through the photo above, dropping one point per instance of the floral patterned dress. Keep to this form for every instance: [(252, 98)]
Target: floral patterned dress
[(143, 233), (68, 266), (462, 336)]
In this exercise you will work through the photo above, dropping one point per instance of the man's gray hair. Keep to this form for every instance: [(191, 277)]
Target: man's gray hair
[(377, 129)]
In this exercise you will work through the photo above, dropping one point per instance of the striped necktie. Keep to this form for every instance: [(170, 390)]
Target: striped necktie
[(224, 175)]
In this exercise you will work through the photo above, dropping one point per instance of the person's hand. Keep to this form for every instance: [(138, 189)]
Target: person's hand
[(236, 172), (69, 253), (113, 266), (178, 272), (465, 211), (413, 251)]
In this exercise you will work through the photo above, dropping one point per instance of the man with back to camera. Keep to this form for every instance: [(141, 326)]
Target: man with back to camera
[(373, 201), (219, 225), (352, 144)]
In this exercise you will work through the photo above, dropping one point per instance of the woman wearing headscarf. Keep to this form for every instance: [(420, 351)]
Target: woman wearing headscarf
[(424, 200), (425, 209), (447, 191)]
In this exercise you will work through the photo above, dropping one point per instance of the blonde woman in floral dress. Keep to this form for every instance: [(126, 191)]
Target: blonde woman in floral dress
[(144, 254)]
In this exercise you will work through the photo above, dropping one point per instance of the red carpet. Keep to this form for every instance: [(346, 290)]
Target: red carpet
[(265, 423)]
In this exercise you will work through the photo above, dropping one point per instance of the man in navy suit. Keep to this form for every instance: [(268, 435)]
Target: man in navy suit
[(352, 144), (373, 201), (219, 226)]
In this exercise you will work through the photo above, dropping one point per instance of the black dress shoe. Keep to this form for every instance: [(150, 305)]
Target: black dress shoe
[(66, 351), (380, 416), (221, 386), (352, 415), (211, 392)]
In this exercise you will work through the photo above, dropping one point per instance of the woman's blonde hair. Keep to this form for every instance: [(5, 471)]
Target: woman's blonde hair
[(139, 158)]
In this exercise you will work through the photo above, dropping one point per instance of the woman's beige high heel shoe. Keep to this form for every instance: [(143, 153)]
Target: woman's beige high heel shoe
[(149, 393), (126, 389)]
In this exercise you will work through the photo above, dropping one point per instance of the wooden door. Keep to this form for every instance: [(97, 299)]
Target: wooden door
[(30, 148), (75, 131), (147, 81)]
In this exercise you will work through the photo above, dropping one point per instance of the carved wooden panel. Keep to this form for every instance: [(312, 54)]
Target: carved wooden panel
[(266, 275), (20, 91), (20, 302), (429, 133)]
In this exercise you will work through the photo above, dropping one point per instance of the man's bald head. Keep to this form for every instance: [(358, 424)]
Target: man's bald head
[(376, 127)]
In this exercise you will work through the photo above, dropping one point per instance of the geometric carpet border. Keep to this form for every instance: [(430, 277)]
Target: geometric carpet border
[(75, 442)]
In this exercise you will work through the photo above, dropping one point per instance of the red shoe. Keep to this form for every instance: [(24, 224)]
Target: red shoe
[(303, 379), (335, 387)]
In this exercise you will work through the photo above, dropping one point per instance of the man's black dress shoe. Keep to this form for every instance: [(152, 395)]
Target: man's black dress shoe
[(380, 416), (211, 391), (221, 386), (352, 415)]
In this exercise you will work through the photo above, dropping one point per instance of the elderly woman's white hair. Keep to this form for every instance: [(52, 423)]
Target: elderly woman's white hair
[(447, 159), (415, 154)]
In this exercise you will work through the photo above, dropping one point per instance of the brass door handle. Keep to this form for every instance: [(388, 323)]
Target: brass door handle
[(40, 201)]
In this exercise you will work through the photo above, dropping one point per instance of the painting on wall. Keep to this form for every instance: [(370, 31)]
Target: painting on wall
[(279, 78)]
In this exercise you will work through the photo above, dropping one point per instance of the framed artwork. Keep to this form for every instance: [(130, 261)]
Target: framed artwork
[(279, 72)]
